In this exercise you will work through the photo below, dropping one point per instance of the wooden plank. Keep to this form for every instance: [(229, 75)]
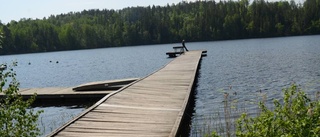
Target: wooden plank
[(76, 132), (59, 91), (151, 106), (40, 91), (119, 125), (108, 108)]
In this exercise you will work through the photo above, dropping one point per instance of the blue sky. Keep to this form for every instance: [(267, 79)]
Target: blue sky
[(17, 9)]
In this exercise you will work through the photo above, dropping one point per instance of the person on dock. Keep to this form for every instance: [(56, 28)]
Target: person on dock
[(184, 46)]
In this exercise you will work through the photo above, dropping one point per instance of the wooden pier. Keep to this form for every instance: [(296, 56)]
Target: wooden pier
[(88, 92), (152, 106)]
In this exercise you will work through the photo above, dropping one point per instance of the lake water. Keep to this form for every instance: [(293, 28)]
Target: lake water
[(242, 68), (249, 71)]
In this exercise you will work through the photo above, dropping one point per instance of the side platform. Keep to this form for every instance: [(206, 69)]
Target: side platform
[(83, 94)]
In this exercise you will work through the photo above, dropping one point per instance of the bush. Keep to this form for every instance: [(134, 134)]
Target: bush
[(297, 116), (15, 117)]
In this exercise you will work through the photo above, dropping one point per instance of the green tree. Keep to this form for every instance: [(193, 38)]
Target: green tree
[(1, 39), (195, 21), (16, 117)]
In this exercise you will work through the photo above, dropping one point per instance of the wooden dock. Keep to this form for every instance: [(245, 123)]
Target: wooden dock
[(87, 92), (152, 106)]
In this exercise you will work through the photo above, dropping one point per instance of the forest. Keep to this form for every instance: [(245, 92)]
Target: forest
[(193, 21)]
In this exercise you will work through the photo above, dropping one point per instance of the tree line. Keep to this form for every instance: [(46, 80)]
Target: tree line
[(193, 21)]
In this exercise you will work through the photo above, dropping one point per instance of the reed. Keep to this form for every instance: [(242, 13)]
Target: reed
[(236, 118), (223, 120), (46, 126)]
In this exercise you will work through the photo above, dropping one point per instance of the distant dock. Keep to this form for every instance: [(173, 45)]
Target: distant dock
[(151, 106)]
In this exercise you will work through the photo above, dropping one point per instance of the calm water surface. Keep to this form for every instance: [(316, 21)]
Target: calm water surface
[(244, 67), (71, 68), (249, 71)]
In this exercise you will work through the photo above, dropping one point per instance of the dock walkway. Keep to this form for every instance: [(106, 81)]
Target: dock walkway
[(151, 106)]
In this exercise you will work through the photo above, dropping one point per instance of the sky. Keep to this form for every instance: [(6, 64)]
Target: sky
[(17, 9)]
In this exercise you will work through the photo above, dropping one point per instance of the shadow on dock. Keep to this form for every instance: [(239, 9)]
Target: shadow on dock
[(66, 101)]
